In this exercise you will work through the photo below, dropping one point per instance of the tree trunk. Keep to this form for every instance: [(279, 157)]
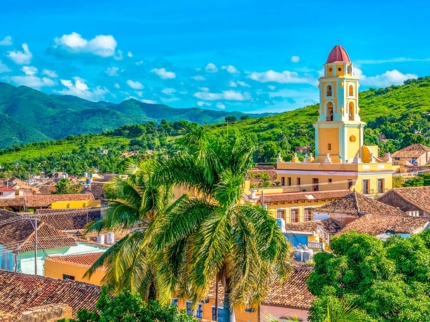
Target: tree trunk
[(216, 299), (228, 312)]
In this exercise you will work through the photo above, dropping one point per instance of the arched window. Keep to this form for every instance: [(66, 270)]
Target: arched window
[(351, 90), (351, 111), (329, 91), (329, 116)]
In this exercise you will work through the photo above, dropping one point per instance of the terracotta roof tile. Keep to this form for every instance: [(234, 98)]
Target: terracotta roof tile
[(418, 196), (330, 226), (87, 259), (411, 151), (379, 224), (20, 292), (41, 200), (309, 195), (358, 204), (72, 219)]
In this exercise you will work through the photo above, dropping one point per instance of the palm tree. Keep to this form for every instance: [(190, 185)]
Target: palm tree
[(134, 205), (343, 312), (213, 236)]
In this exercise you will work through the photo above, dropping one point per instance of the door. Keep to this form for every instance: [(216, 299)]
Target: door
[(315, 184)]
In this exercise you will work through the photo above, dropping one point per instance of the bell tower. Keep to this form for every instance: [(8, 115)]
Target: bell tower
[(339, 130)]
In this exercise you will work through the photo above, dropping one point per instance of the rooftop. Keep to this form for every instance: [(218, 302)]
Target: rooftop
[(68, 219), (41, 200), (304, 196), (411, 151), (379, 224), (330, 226), (358, 204), (21, 292), (418, 196), (338, 54), (87, 259)]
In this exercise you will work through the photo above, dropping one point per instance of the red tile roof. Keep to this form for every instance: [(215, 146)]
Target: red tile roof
[(378, 224), (41, 200), (330, 226), (69, 219), (305, 196), (411, 151), (417, 196), (6, 189), (338, 54), (358, 204), (77, 259), (20, 292)]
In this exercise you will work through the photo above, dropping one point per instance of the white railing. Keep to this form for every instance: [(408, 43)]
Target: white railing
[(315, 245)]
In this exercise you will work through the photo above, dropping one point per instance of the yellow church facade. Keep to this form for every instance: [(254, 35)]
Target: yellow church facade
[(341, 160)]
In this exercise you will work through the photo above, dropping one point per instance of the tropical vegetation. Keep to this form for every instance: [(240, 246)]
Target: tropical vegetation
[(382, 281)]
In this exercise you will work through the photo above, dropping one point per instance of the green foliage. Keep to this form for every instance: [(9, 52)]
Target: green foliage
[(129, 307), (386, 281), (63, 186), (422, 179)]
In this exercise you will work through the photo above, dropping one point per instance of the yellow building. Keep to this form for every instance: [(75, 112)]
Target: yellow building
[(341, 161), (74, 267)]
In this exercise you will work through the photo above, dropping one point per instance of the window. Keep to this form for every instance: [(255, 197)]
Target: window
[(280, 213), (175, 302), (68, 277), (283, 181), (289, 181), (329, 146), (330, 180), (220, 316), (199, 311), (351, 111), (315, 184), (308, 214), (366, 186), (329, 90), (349, 183), (329, 116), (294, 215), (189, 308), (351, 90), (381, 185), (298, 181)]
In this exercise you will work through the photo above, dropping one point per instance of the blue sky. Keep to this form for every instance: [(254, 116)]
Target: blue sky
[(251, 56)]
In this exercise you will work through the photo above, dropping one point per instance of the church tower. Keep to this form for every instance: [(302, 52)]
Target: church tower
[(339, 130)]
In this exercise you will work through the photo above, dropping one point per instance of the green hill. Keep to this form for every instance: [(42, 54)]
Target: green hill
[(48, 117), (396, 116)]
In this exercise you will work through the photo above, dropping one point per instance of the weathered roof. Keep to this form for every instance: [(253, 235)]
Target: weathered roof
[(379, 224), (68, 219), (411, 151), (86, 260), (330, 226), (358, 204), (294, 293), (20, 292), (17, 234), (42, 200), (6, 189), (338, 54), (417, 196), (305, 196)]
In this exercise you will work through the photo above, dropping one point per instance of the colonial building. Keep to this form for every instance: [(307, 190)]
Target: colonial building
[(341, 160)]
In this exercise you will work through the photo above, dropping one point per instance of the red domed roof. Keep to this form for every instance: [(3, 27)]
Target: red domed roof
[(338, 54)]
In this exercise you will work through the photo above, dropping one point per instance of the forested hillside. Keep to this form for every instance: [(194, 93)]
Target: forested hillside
[(396, 116), (27, 115)]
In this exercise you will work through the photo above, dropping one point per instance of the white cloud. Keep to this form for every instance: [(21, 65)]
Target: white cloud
[(225, 95), (112, 71), (49, 73), (3, 68), (284, 77), (198, 78), (148, 101), (32, 81), (201, 103), (220, 105), (168, 91), (7, 41), (135, 84), (232, 84), (243, 84), (21, 57), (211, 68), (230, 68), (101, 45), (163, 73), (140, 62), (117, 85), (295, 59), (130, 54), (29, 70), (390, 77), (78, 87), (271, 87)]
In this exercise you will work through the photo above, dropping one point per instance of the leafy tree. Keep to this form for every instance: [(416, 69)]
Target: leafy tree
[(211, 235), (64, 186), (129, 307), (245, 117), (230, 119)]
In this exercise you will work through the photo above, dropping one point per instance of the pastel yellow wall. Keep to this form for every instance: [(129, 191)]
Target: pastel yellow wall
[(76, 204), (241, 315), (56, 270), (306, 181), (328, 136), (353, 146), (273, 207)]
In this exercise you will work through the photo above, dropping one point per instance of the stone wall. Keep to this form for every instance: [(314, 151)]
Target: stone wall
[(47, 313)]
